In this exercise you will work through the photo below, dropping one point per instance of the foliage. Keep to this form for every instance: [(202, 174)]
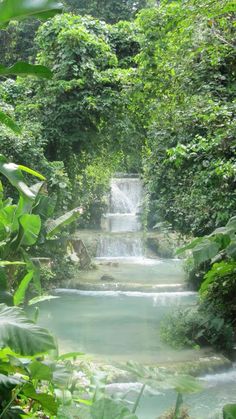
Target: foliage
[(93, 184), (85, 86), (194, 327), (88, 120), (17, 41), (20, 334), (157, 378), (229, 411), (13, 9), (218, 284), (22, 225), (217, 245), (184, 98), (194, 274), (111, 11), (214, 269)]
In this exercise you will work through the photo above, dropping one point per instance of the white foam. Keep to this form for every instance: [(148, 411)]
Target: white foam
[(167, 286), (155, 295), (128, 387), (219, 378), (131, 260)]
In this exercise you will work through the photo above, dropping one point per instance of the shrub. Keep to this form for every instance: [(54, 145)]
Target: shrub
[(191, 327)]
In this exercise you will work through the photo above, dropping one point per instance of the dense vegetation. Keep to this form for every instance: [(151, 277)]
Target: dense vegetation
[(187, 102), (115, 88), (156, 94)]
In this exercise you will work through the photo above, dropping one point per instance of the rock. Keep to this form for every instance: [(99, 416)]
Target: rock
[(107, 278)]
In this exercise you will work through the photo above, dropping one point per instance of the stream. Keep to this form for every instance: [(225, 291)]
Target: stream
[(118, 326)]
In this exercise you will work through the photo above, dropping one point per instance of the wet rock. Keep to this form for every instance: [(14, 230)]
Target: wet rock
[(107, 278)]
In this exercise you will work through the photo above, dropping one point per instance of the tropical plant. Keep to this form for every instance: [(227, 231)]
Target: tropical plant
[(22, 225), (183, 97), (213, 321), (229, 411), (14, 9), (111, 10), (203, 325), (218, 248)]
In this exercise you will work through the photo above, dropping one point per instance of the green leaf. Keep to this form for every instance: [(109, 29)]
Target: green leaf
[(190, 245), (8, 263), (22, 335), (231, 249), (231, 223), (31, 225), (45, 400), (8, 382), (205, 251), (40, 299), (185, 384), (15, 9), (34, 173), (70, 355), (6, 297), (19, 295), (9, 122), (107, 409), (55, 226), (40, 371), (229, 411), (218, 270), (24, 69), (14, 413), (15, 177)]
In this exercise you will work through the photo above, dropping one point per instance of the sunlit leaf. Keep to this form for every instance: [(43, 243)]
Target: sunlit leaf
[(24, 69), (40, 371), (8, 263), (31, 225), (40, 299), (55, 226), (15, 9), (9, 122), (46, 400), (19, 295), (15, 177)]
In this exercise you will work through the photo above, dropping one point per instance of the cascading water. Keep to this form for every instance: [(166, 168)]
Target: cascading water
[(126, 195), (121, 320), (120, 247), (123, 217)]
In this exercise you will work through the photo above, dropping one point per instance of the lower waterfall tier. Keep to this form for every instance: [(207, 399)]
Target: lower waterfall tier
[(113, 247), (116, 223)]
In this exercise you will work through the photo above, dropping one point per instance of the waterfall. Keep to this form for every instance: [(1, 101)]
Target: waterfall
[(120, 247), (126, 195), (123, 216)]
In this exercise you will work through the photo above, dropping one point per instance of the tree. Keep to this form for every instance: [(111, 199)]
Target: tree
[(110, 10), (185, 100)]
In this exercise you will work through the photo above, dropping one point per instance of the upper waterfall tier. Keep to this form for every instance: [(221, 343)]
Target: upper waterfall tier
[(123, 216), (126, 196)]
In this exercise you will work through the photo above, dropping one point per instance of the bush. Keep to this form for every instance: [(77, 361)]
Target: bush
[(195, 274), (198, 326), (220, 294)]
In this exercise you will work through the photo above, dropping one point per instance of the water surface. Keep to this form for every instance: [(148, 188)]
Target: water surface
[(114, 325)]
